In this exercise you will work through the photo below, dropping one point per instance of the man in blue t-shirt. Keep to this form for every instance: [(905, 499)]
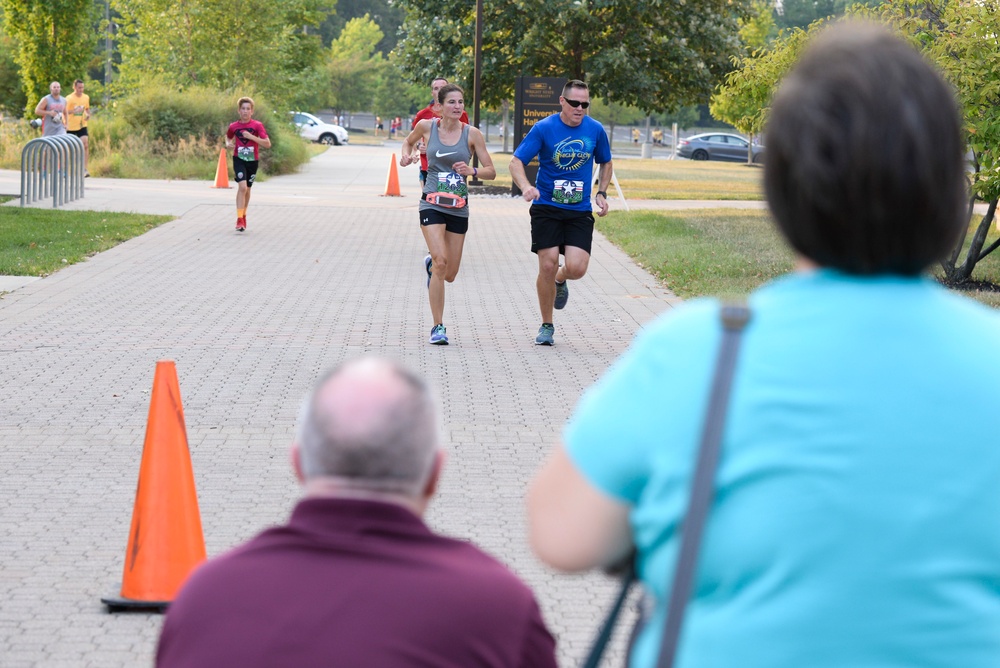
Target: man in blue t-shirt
[(567, 144)]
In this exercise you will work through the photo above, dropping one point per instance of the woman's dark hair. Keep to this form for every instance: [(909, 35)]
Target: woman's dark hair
[(864, 169), (448, 88)]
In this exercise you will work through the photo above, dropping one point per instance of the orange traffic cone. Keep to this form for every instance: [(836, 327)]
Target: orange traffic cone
[(165, 541), (392, 181), (222, 171)]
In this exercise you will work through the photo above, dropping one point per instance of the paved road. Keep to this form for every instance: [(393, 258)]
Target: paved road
[(328, 270)]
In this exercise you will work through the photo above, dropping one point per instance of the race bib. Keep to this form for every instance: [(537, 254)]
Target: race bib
[(565, 191), (245, 153)]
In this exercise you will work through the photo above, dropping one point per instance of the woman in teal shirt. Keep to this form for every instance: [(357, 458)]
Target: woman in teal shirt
[(856, 519)]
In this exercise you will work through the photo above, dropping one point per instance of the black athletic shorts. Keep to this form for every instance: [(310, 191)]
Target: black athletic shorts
[(553, 226), (456, 224), (245, 170), (82, 132)]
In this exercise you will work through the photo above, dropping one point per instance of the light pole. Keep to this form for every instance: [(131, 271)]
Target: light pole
[(477, 80)]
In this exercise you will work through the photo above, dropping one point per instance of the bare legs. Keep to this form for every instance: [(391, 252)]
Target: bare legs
[(549, 271), (446, 255)]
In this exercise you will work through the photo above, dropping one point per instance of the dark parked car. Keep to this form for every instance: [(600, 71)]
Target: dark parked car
[(718, 146)]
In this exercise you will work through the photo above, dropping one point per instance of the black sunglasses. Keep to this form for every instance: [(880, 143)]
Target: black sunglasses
[(577, 103)]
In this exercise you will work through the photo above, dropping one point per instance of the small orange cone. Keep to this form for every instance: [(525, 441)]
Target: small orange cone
[(165, 541), (392, 181), (222, 171)]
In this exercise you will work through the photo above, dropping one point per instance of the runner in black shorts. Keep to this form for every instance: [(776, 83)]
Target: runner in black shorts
[(245, 136), (552, 227), (453, 224), (567, 145), (444, 207)]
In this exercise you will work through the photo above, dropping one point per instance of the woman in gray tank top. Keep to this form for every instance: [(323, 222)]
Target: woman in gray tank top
[(444, 207)]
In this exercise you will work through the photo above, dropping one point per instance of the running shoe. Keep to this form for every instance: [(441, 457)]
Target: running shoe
[(545, 333), (438, 336), (427, 265), (562, 294), (241, 224)]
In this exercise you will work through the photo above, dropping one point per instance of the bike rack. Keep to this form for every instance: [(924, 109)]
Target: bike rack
[(52, 167)]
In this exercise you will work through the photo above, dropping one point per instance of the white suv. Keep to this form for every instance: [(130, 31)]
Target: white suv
[(314, 129)]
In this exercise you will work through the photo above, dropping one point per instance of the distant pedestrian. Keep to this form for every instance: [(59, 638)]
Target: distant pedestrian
[(246, 136), (567, 145), (78, 113), (355, 577), (52, 110), (378, 125)]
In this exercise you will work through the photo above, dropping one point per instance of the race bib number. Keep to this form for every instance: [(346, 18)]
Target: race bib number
[(245, 153), (565, 191)]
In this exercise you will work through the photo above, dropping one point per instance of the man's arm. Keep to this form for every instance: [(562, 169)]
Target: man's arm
[(41, 109), (528, 191), (572, 525), (603, 181)]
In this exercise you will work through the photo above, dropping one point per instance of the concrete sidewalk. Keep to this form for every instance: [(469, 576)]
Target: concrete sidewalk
[(328, 270)]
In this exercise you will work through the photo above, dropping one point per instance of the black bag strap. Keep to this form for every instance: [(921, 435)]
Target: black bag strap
[(593, 659), (734, 319)]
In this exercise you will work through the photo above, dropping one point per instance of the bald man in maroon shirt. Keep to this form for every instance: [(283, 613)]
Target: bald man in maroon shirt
[(355, 578)]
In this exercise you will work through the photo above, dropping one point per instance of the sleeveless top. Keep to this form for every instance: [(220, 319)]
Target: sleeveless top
[(440, 175), (52, 127)]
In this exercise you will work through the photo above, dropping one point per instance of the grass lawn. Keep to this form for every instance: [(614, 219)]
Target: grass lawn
[(672, 179), (687, 179), (37, 242), (725, 252)]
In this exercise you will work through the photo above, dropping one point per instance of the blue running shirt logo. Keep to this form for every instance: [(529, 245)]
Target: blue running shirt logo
[(572, 154)]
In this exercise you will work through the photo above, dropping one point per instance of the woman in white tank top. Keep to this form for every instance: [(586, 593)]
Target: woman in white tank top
[(444, 209)]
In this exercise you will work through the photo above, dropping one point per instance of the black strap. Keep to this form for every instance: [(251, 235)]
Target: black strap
[(734, 318), (593, 659)]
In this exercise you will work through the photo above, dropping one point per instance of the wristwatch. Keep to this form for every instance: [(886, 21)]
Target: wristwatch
[(602, 194)]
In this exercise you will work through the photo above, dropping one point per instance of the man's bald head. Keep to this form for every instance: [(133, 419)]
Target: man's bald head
[(370, 424)]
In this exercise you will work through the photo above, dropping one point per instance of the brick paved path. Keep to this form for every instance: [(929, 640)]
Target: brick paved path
[(327, 271)]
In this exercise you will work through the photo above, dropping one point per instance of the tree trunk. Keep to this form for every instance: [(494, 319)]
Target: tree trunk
[(956, 272)]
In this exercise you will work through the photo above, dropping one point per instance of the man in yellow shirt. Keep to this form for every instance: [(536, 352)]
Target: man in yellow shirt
[(78, 113)]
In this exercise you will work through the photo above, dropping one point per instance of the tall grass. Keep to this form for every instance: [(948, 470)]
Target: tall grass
[(161, 134)]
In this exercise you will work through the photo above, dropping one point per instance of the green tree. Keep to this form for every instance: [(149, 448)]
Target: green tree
[(12, 99), (393, 96), (963, 39), (54, 40), (386, 13), (614, 114), (759, 28), (259, 45), (651, 54), (744, 99), (355, 67), (684, 117)]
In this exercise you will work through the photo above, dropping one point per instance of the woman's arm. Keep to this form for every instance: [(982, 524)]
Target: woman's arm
[(477, 145), (408, 154), (572, 525)]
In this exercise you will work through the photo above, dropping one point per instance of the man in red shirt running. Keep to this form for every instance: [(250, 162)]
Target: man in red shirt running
[(247, 136), (432, 110)]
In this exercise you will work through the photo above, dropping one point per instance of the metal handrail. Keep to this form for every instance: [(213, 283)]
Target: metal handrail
[(52, 167)]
